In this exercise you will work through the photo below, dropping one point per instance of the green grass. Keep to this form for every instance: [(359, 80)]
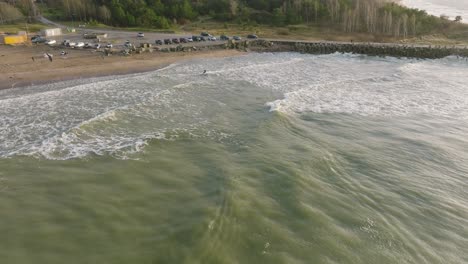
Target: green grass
[(51, 13), (458, 33), (75, 24), (14, 28), (296, 32)]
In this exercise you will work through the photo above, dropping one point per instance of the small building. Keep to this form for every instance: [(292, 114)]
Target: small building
[(2, 38), (51, 32)]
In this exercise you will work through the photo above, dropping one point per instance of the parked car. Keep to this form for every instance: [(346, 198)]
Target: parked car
[(183, 40), (158, 42), (252, 36), (34, 37), (87, 45), (205, 34), (190, 39), (236, 38), (51, 42), (71, 44), (211, 38), (97, 46), (140, 35), (65, 42), (79, 45), (167, 41), (128, 44), (175, 40), (109, 46), (39, 40), (224, 37), (202, 38), (196, 38)]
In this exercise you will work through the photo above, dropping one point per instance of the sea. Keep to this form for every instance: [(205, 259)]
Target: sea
[(450, 8), (266, 158)]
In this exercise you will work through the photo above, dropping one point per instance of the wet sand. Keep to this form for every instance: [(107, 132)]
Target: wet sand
[(26, 65)]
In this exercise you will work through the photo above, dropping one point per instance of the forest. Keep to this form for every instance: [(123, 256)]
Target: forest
[(380, 17)]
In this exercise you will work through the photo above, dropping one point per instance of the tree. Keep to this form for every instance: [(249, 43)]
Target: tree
[(458, 19), (444, 17), (104, 14), (186, 10), (278, 17), (413, 24), (9, 13), (404, 24)]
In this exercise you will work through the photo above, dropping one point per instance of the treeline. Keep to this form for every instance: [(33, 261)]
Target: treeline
[(382, 17), (125, 13), (9, 13), (15, 10)]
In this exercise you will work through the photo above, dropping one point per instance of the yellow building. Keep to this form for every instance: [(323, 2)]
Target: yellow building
[(14, 39)]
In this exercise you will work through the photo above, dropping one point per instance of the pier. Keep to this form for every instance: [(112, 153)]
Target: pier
[(371, 49)]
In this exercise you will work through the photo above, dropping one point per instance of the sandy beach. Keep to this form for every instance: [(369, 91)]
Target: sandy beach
[(26, 65)]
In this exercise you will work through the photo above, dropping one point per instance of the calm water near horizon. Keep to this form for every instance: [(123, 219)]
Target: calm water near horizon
[(269, 158), (451, 8)]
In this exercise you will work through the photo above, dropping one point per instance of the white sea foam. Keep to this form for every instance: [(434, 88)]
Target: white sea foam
[(119, 116), (368, 86), (103, 117)]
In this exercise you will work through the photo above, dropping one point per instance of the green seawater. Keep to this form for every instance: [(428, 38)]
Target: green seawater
[(269, 158)]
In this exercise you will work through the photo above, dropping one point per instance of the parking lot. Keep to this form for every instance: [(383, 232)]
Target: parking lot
[(119, 38)]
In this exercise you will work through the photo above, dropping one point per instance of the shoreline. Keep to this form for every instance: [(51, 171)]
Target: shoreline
[(24, 66)]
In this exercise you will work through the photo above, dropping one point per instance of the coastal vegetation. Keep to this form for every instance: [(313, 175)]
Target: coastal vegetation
[(382, 18)]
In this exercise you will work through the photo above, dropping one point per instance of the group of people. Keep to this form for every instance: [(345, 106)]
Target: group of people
[(50, 56)]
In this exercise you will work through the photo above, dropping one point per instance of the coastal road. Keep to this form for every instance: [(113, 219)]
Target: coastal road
[(46, 21)]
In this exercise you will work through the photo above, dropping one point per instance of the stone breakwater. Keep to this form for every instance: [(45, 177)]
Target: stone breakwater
[(317, 47), (372, 49)]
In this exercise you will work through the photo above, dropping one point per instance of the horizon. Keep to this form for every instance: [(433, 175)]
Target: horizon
[(451, 8)]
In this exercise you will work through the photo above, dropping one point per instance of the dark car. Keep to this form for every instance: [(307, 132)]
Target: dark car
[(35, 37), (205, 34), (39, 40), (252, 36), (167, 41), (196, 38), (183, 40), (175, 40), (202, 38), (224, 37), (158, 42)]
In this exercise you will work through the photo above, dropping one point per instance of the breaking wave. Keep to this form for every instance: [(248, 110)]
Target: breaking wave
[(118, 116)]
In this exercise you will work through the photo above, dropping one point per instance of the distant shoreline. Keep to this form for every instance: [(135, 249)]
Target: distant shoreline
[(23, 66), (19, 69), (436, 9)]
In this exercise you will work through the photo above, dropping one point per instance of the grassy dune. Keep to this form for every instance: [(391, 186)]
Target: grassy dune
[(454, 35), (14, 28)]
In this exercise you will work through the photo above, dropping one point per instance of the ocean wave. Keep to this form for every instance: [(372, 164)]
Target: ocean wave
[(121, 115)]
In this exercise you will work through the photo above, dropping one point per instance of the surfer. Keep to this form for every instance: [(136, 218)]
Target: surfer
[(49, 56)]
